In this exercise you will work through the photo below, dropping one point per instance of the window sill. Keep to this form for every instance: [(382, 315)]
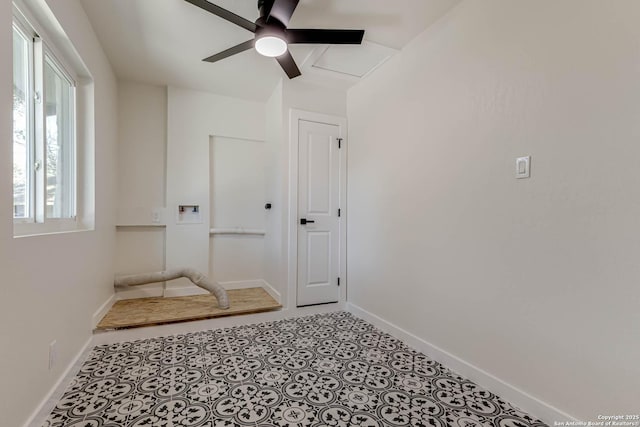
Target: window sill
[(25, 229)]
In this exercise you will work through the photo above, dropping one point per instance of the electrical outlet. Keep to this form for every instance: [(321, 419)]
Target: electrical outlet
[(53, 354), (155, 216)]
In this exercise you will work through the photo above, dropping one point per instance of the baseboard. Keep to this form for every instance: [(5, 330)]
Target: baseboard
[(51, 399), (258, 283), (517, 397), (56, 392), (241, 284), (102, 311), (272, 291), (111, 337), (188, 290), (185, 291)]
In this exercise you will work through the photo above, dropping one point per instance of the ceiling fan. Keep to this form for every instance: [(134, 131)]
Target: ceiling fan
[(272, 36)]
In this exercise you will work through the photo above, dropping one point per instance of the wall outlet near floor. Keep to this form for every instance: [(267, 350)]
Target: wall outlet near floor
[(53, 354), (156, 216)]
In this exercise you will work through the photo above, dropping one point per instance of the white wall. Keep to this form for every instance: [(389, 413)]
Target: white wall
[(193, 120), (309, 97), (534, 281), (142, 146), (275, 192), (139, 250), (238, 172), (303, 96), (53, 284), (236, 181), (193, 117)]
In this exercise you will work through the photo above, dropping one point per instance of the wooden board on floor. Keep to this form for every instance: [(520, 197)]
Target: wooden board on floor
[(156, 311)]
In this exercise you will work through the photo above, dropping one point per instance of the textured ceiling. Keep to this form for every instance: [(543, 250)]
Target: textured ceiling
[(163, 41)]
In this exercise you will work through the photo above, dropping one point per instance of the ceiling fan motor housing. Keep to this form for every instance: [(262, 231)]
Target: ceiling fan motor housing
[(264, 6), (271, 28), (272, 35)]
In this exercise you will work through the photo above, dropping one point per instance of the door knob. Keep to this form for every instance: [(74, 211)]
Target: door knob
[(305, 221)]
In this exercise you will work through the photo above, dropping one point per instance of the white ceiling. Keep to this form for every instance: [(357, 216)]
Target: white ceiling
[(164, 41)]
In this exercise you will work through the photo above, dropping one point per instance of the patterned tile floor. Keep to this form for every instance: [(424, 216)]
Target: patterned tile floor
[(322, 370)]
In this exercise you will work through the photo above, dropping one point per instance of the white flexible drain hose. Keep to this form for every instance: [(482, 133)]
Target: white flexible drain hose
[(195, 276)]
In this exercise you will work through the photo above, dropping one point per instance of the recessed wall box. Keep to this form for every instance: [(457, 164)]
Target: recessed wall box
[(189, 214)]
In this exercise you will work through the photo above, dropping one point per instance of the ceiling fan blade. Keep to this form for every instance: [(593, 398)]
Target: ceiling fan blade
[(288, 65), (325, 36), (224, 14), (231, 51), (282, 10)]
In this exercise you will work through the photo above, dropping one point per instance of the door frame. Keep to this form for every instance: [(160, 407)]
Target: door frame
[(295, 116)]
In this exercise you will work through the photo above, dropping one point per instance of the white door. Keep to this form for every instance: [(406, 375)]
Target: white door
[(318, 213)]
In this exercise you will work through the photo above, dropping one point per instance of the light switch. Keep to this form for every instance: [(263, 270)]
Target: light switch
[(522, 167)]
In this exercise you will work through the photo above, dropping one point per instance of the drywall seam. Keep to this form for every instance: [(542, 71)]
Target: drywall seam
[(514, 395)]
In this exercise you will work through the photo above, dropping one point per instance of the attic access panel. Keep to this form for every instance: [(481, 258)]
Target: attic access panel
[(353, 61)]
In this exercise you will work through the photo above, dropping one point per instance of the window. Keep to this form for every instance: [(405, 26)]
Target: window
[(22, 118), (59, 142), (44, 134)]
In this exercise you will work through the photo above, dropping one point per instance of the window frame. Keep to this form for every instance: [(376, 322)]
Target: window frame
[(42, 51), (60, 69), (28, 34)]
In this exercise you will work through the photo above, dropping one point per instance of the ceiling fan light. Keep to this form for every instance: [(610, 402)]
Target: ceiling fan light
[(271, 46)]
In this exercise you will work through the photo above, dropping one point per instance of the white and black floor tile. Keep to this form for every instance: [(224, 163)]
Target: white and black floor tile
[(316, 371)]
